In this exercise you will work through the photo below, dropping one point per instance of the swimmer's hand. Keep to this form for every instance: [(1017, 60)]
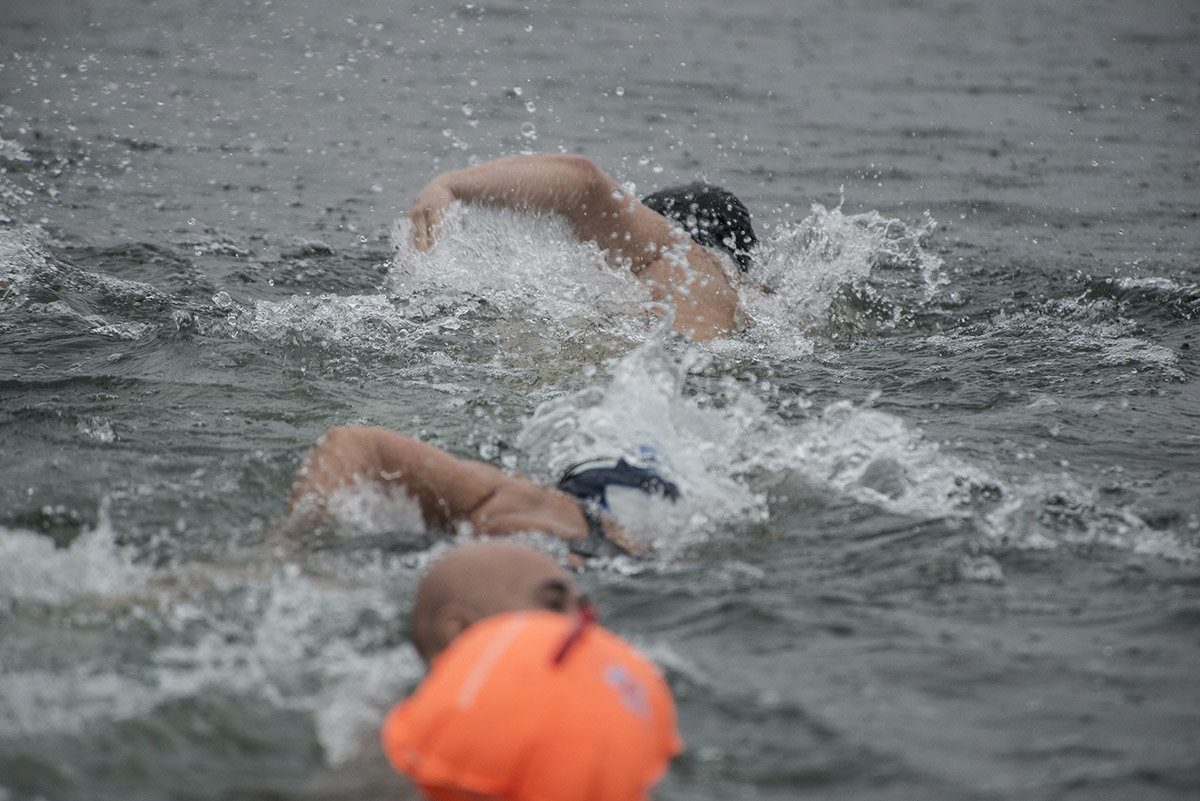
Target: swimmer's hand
[(427, 212)]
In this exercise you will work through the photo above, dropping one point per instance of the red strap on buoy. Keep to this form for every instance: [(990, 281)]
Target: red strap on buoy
[(587, 616)]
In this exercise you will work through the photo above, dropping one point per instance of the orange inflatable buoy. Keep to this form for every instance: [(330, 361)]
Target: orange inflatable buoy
[(535, 706)]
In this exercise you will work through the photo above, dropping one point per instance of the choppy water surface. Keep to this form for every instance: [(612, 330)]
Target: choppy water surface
[(941, 526)]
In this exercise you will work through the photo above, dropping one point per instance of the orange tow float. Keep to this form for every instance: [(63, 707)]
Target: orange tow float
[(536, 706)]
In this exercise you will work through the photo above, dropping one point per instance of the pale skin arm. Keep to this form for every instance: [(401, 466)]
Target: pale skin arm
[(448, 489), (599, 210)]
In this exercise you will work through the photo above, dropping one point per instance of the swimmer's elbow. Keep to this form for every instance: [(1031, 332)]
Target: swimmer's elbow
[(583, 167), (584, 176), (341, 437)]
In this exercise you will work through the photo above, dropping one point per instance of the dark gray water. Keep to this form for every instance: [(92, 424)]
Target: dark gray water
[(942, 519)]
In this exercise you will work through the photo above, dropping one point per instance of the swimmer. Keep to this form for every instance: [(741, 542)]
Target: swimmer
[(481, 579), (587, 741), (687, 243), (456, 494), (526, 697)]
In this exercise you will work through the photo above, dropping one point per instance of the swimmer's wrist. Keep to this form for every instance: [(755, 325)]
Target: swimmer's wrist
[(597, 543)]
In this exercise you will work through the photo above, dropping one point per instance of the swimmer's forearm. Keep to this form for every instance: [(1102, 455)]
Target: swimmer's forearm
[(445, 487), (556, 183)]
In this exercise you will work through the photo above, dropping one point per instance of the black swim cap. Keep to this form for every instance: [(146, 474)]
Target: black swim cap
[(590, 484), (712, 216)]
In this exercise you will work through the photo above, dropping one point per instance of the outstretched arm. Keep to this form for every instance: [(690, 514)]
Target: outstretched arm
[(597, 208), (448, 489), (680, 273)]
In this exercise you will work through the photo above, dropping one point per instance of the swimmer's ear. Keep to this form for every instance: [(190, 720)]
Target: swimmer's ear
[(451, 620)]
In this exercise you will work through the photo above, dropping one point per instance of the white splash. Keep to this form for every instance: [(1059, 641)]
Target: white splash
[(519, 263), (357, 323), (22, 257), (318, 636), (715, 447), (642, 414), (1050, 512), (802, 267), (32, 568)]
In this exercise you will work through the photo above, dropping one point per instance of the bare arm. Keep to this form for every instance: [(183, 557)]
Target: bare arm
[(597, 208), (449, 490), (446, 487), (681, 273)]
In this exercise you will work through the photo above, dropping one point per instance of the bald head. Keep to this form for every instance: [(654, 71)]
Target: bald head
[(481, 579)]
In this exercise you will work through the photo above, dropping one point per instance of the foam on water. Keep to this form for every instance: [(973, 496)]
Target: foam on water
[(713, 445), (376, 512), (80, 580), (803, 266), (319, 636), (716, 443), (524, 284), (643, 415), (1076, 334), (361, 324), (1083, 326), (1056, 511), (807, 261), (879, 460), (22, 256), (520, 264), (32, 569), (498, 285), (1160, 295), (70, 299)]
